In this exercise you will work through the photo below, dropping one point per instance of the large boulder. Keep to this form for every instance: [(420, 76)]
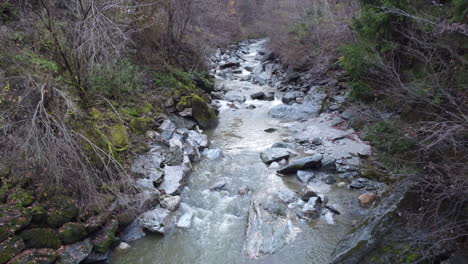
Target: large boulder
[(290, 97), (174, 179), (268, 228), (202, 113), (274, 154), (171, 203), (41, 238), (10, 248), (72, 232), (105, 239), (312, 162), (156, 220), (76, 253), (60, 210)]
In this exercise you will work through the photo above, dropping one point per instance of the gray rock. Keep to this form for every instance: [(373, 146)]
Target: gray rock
[(309, 108), (268, 228), (258, 96), (99, 258), (312, 208), (171, 203), (233, 96), (285, 145), (287, 196), (174, 156), (290, 97), (244, 190), (274, 166), (229, 65), (156, 220), (133, 232), (221, 185), (329, 179), (306, 194), (167, 129), (200, 139), (305, 176), (185, 220), (356, 184), (191, 150), (76, 253), (213, 154), (174, 179), (274, 154), (270, 130), (312, 162)]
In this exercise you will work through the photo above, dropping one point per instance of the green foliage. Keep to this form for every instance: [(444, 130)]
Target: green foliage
[(7, 12), (361, 91), (387, 137), (356, 59), (120, 80), (460, 11)]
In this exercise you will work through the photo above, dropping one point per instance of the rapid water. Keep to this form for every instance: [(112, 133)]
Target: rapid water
[(217, 232)]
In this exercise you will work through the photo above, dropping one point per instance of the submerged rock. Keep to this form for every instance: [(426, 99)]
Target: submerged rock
[(185, 220), (312, 162), (258, 96), (312, 208), (305, 176), (213, 154), (132, 232), (233, 96), (221, 185), (274, 154)]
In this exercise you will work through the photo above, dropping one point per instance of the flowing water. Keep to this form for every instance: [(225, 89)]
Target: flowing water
[(218, 230)]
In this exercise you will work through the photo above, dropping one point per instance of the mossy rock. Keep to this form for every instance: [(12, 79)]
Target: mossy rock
[(10, 248), (118, 136), (137, 111), (72, 232), (202, 113), (21, 198), (105, 239), (36, 256), (185, 102), (96, 222), (5, 233), (61, 209), (4, 193), (38, 213), (41, 238), (16, 219), (141, 124)]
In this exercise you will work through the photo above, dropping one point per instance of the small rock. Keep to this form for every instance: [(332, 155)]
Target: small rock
[(274, 166), (156, 220), (244, 190), (213, 154), (270, 130), (312, 162), (221, 185), (274, 154), (356, 184), (367, 199), (305, 176), (287, 196), (306, 194), (123, 246), (329, 179), (251, 107), (341, 185), (312, 208), (258, 96)]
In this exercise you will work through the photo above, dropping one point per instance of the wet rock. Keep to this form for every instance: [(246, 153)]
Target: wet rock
[(229, 65), (167, 129), (132, 232), (191, 150), (213, 154), (251, 107), (221, 185), (329, 179), (171, 203), (174, 179), (306, 194), (274, 154), (285, 145), (367, 199), (233, 96), (309, 108), (287, 196), (123, 246), (274, 166), (270, 130), (156, 220), (249, 69), (329, 163), (174, 156), (331, 209), (98, 258), (258, 96), (268, 228), (357, 184), (305, 176), (105, 239), (244, 190), (312, 162), (185, 220), (341, 185), (201, 140), (312, 208), (290, 97), (76, 253)]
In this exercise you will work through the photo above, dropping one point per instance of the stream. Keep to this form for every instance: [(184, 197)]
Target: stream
[(217, 232)]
